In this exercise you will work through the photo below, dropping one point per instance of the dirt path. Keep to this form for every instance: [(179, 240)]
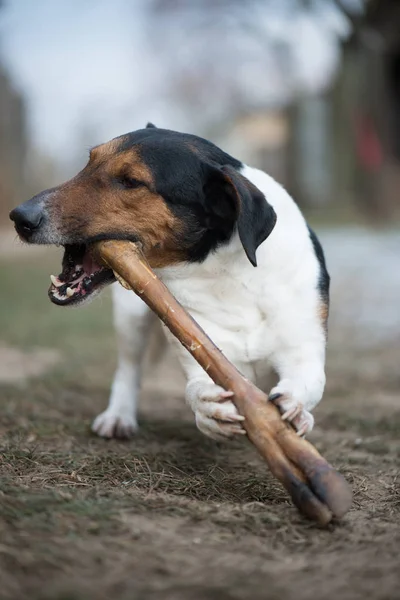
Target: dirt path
[(173, 515), (17, 366)]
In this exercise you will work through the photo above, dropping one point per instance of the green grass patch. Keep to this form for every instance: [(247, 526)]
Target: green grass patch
[(28, 318)]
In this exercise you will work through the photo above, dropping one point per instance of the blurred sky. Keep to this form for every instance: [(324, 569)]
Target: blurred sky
[(74, 60), (89, 72)]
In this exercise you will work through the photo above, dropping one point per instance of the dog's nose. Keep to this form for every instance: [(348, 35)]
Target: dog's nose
[(27, 218)]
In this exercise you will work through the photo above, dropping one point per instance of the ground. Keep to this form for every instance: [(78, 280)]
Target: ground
[(171, 514)]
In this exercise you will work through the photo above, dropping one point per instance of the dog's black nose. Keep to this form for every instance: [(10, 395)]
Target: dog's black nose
[(27, 218)]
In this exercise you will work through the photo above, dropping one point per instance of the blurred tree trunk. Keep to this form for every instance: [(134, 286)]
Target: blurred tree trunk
[(366, 102)]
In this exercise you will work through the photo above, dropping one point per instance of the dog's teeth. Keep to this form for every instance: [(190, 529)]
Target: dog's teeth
[(69, 292), (54, 281)]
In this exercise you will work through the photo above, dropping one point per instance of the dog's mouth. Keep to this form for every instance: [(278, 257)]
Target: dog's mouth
[(80, 279)]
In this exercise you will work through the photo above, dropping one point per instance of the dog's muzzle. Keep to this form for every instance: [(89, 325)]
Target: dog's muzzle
[(28, 218)]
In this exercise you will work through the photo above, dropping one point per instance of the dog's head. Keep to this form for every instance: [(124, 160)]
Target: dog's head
[(178, 195)]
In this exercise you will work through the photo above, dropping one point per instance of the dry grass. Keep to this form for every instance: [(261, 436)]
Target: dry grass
[(171, 514)]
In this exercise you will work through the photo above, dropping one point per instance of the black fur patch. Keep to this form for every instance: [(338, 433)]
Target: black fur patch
[(153, 139), (324, 278), (255, 216)]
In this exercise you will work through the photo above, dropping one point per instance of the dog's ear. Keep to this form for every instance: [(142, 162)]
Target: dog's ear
[(233, 199), (150, 126)]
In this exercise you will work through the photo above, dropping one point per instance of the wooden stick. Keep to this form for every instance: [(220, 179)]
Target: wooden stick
[(319, 491)]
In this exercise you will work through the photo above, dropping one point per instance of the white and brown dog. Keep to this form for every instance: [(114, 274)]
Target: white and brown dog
[(205, 221)]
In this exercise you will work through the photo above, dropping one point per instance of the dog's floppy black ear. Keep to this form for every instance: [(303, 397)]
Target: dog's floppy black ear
[(151, 126), (231, 196)]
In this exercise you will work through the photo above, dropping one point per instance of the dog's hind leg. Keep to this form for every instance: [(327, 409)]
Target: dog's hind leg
[(132, 321)]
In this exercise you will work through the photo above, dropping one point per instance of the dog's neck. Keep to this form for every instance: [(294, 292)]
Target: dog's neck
[(214, 266)]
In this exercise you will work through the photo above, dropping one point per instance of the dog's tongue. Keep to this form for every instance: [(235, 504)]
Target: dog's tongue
[(89, 265)]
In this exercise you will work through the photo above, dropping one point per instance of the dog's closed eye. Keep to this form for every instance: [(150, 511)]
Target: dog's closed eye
[(129, 183)]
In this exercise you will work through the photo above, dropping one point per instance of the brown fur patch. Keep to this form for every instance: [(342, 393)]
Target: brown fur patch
[(103, 150), (323, 312), (131, 163), (93, 204)]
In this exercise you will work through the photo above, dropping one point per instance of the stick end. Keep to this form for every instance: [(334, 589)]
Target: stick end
[(332, 489)]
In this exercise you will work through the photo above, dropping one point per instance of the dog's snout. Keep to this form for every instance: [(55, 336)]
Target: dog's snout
[(27, 218)]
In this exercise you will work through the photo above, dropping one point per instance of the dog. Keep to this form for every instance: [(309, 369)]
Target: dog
[(228, 241)]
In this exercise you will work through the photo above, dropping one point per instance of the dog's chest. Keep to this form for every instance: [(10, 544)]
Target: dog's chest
[(233, 310)]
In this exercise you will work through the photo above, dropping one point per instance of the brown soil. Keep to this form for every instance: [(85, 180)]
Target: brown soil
[(17, 365), (173, 515)]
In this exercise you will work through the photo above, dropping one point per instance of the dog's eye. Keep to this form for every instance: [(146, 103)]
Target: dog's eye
[(129, 182)]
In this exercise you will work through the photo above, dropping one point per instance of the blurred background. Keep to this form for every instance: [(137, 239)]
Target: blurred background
[(308, 90)]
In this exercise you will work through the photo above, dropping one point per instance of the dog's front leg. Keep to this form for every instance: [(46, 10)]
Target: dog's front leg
[(215, 414), (300, 386), (131, 319)]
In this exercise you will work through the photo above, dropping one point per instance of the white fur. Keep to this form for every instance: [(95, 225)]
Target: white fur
[(131, 323), (259, 317)]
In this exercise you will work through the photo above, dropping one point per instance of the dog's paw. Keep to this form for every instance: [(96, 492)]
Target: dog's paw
[(292, 410), (110, 424), (216, 416)]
